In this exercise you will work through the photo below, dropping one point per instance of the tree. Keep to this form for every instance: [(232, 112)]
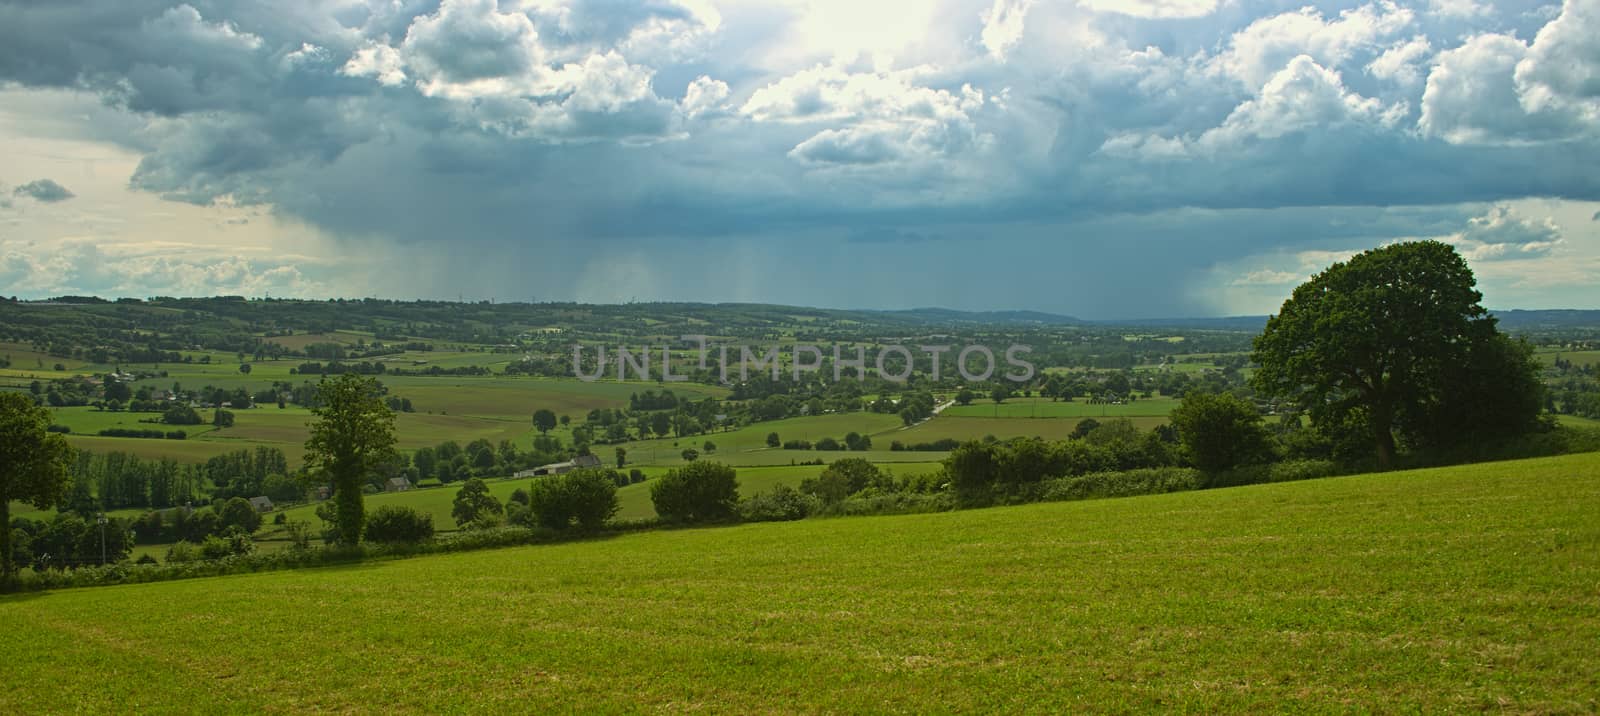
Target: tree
[(842, 479), (393, 524), (222, 418), (544, 420), (622, 457), (964, 397), (1219, 431), (1369, 342), (474, 505), (181, 415), (352, 435), (999, 394), (697, 492), (587, 496), (773, 441), (244, 368), (690, 454), (34, 464), (709, 447), (426, 461), (238, 512)]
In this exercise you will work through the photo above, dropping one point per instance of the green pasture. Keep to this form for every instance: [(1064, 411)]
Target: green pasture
[(1459, 589)]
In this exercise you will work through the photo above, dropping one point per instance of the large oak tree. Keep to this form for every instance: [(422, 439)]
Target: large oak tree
[(1382, 341)]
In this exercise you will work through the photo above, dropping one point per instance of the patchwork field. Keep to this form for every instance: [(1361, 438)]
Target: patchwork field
[(1460, 589)]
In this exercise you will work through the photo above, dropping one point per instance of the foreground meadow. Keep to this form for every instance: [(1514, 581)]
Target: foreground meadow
[(1469, 588)]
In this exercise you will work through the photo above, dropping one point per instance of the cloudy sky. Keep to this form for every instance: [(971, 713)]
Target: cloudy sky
[(1100, 158)]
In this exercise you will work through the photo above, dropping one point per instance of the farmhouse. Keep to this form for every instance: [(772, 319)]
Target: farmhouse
[(556, 468), (262, 503), (397, 484)]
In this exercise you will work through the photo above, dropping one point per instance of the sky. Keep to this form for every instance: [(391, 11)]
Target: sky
[(1150, 158)]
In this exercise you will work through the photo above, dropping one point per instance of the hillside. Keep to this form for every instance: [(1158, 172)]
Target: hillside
[(1465, 588)]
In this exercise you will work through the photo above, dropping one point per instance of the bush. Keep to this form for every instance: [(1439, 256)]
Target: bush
[(698, 492), (393, 524), (182, 552), (587, 497), (782, 503), (181, 415), (1150, 481), (235, 542)]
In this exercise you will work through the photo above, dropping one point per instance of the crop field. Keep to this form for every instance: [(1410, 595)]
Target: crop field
[(1047, 408), (1456, 589), (748, 445), (1578, 358)]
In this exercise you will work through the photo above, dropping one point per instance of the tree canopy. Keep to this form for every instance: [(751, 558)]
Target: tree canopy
[(353, 434), (1376, 344), (34, 464)]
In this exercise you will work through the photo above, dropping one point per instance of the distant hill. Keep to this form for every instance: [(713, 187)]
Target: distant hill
[(952, 316)]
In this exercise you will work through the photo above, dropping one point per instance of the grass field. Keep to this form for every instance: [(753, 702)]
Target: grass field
[(1459, 589)]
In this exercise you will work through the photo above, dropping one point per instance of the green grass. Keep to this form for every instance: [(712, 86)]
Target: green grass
[(1578, 422), (1460, 589)]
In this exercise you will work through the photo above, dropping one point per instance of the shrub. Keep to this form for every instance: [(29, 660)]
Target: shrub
[(587, 497), (1149, 481), (182, 552), (393, 524), (842, 479), (797, 445), (234, 542), (780, 504), (697, 492)]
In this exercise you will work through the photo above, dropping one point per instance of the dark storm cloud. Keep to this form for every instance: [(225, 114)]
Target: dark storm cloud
[(554, 133), (44, 190)]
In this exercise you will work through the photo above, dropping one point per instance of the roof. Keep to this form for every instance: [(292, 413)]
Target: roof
[(260, 501), (399, 481)]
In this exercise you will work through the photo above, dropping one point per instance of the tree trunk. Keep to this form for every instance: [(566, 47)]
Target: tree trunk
[(1383, 433)]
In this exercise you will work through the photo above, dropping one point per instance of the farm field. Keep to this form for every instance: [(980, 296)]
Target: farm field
[(1578, 358), (1414, 591), (748, 445), (1047, 408)]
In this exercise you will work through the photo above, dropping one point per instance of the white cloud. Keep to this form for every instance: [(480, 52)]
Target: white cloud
[(886, 116), (1561, 70), (1259, 51), (1465, 9), (1003, 25), (1500, 234), (1153, 8), (1403, 62), (705, 97), (378, 61), (1472, 97), (1301, 96)]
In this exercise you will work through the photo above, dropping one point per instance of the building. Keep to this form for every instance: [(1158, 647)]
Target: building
[(556, 468), (397, 484), (262, 504)]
